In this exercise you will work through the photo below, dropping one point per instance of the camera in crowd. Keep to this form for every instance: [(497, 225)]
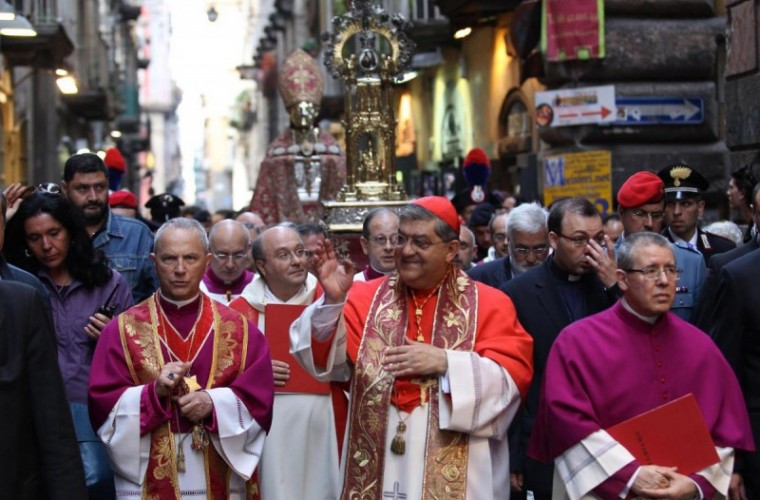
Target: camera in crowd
[(106, 311)]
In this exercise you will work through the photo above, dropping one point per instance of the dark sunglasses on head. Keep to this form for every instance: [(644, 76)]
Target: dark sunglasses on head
[(49, 187)]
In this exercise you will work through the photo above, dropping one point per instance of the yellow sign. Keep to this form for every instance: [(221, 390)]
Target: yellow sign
[(587, 174)]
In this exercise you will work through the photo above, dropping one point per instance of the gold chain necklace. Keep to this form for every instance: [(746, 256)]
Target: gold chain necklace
[(200, 437), (398, 443), (419, 307)]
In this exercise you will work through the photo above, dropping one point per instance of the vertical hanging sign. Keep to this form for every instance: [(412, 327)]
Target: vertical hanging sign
[(572, 29)]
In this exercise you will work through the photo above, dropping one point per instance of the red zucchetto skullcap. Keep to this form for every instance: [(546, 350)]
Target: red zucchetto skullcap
[(122, 199), (441, 207), (641, 188), (114, 159)]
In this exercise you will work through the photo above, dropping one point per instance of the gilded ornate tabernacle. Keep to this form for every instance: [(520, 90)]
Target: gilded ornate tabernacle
[(368, 49)]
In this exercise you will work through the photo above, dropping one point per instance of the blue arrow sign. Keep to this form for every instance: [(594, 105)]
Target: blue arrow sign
[(659, 110)]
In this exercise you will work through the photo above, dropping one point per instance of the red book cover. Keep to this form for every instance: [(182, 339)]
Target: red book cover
[(671, 435), (277, 321)]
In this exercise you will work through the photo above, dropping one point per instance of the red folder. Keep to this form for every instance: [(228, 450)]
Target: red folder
[(671, 435), (277, 321)]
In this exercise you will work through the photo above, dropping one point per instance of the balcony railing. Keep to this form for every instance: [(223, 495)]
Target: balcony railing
[(417, 11)]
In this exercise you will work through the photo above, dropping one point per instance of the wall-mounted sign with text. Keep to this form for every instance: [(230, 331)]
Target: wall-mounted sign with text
[(587, 174), (577, 106)]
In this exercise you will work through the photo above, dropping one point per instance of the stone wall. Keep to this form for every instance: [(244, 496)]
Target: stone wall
[(742, 81), (657, 48)]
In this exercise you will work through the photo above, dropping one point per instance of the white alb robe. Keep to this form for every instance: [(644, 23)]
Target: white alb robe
[(483, 401), (239, 441), (300, 456)]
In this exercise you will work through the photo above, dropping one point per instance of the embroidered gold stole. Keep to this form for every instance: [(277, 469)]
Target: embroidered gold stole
[(140, 339), (454, 328)]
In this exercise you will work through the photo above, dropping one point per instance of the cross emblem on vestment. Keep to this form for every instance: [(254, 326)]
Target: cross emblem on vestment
[(395, 494), (425, 384), (302, 78)]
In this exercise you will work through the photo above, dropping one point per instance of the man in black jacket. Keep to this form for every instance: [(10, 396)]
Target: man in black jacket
[(527, 247), (736, 331), (705, 312), (576, 281), (39, 449)]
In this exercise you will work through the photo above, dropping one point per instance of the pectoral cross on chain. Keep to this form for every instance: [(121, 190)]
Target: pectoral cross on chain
[(395, 494), (425, 384)]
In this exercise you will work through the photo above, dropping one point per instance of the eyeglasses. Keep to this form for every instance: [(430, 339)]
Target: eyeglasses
[(287, 255), (583, 240), (224, 257), (381, 241), (524, 251), (643, 214), (654, 272), (499, 237), (419, 243), (49, 187)]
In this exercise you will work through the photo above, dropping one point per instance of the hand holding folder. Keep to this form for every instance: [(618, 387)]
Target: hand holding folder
[(671, 435), (277, 321)]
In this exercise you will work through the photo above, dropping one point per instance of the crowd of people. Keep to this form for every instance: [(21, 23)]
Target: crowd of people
[(486, 350)]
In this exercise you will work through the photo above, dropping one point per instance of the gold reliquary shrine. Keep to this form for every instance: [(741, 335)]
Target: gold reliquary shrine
[(368, 49)]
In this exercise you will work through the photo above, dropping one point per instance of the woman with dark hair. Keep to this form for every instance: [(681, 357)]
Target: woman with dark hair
[(47, 237)]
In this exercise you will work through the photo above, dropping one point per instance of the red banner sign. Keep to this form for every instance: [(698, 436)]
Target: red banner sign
[(572, 29)]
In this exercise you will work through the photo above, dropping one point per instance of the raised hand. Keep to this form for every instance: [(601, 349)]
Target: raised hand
[(14, 194), (336, 276), (603, 261)]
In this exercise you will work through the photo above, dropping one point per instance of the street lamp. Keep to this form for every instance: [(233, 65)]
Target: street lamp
[(212, 14), (19, 26), (462, 33), (7, 11), (67, 85)]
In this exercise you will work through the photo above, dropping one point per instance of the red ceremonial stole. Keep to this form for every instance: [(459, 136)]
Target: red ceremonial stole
[(142, 338), (454, 327)]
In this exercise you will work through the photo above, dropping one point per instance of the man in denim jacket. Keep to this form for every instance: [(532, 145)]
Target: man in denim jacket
[(126, 242)]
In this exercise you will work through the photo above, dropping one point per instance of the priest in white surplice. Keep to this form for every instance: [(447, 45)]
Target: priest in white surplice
[(300, 457), (437, 363), (181, 386)]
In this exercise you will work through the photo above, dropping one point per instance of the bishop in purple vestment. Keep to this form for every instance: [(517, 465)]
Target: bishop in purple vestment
[(624, 361), (180, 364)]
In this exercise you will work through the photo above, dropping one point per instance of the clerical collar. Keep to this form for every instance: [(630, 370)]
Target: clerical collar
[(271, 298), (561, 274), (371, 273), (227, 284), (179, 304), (649, 319)]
